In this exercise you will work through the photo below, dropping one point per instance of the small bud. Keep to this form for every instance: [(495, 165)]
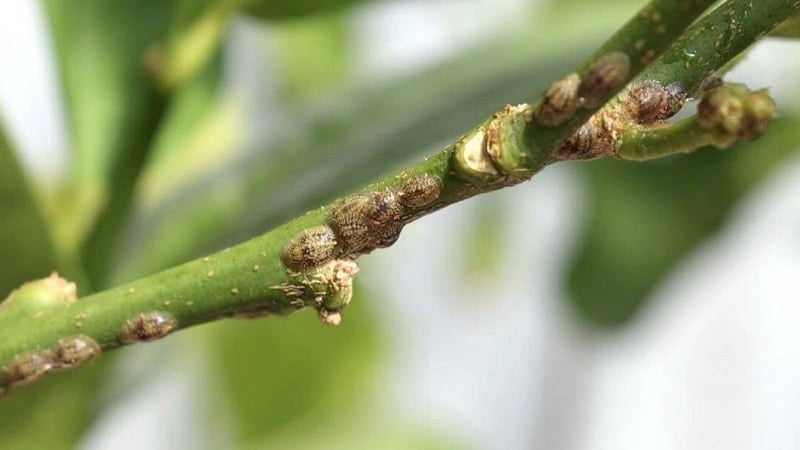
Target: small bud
[(41, 293), (735, 110)]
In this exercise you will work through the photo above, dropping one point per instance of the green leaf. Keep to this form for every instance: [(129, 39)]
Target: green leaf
[(25, 240), (278, 371), (643, 218), (324, 60), (200, 132), (100, 47), (121, 60), (196, 30), (284, 9), (54, 412), (113, 109)]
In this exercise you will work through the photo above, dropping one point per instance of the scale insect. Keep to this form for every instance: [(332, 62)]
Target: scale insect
[(148, 326), (310, 248), (420, 190), (73, 351)]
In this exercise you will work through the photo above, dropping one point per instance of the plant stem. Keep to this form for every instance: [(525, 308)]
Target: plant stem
[(652, 30), (277, 272), (716, 39)]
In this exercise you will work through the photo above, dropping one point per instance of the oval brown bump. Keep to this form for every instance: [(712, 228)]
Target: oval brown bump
[(607, 74), (383, 208), (420, 190), (349, 223), (310, 248), (72, 351), (27, 367), (560, 101), (147, 326), (649, 101)]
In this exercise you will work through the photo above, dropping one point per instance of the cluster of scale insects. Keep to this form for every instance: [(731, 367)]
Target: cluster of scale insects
[(644, 102), (73, 351), (355, 225)]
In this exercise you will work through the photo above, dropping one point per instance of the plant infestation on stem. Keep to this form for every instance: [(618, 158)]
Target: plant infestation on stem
[(615, 104)]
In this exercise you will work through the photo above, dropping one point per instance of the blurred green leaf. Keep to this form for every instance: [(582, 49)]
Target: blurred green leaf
[(189, 140), (322, 62), (643, 218), (113, 109), (24, 237), (281, 370), (284, 9), (483, 243), (54, 412), (195, 33), (374, 430)]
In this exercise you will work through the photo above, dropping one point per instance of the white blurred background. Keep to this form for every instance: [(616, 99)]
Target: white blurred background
[(500, 361)]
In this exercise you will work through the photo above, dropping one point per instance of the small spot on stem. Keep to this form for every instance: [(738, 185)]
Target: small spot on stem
[(649, 101), (560, 101), (73, 351), (310, 248), (147, 326), (606, 75), (27, 367)]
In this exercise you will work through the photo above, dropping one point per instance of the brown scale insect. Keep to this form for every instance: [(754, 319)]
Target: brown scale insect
[(649, 101), (420, 190), (608, 73), (310, 248), (73, 351), (148, 326), (348, 222), (386, 235), (383, 213), (27, 367), (365, 221), (592, 140), (560, 101), (383, 208)]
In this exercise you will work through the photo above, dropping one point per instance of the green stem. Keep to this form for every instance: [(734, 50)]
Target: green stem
[(716, 39), (643, 144), (652, 30), (706, 49), (283, 270)]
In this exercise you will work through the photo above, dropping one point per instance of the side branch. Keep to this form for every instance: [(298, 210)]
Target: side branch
[(637, 44)]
